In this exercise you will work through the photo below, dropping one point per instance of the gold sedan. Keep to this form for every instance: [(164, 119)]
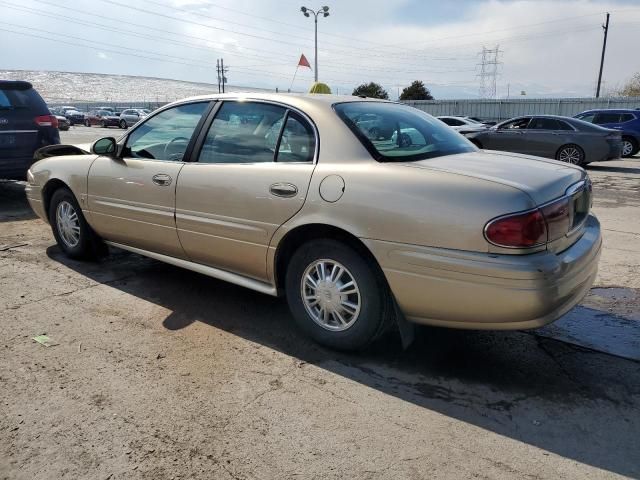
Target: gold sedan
[(366, 214)]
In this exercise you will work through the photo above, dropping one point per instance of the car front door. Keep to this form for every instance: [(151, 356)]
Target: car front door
[(131, 198), (252, 171), (507, 136)]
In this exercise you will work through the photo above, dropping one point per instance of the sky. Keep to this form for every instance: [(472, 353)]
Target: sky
[(547, 48)]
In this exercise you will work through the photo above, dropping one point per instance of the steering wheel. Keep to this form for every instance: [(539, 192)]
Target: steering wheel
[(176, 155)]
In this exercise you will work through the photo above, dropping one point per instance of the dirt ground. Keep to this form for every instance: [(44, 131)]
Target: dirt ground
[(160, 373)]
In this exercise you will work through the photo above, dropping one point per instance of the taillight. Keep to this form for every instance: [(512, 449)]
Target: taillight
[(558, 217), (46, 121), (521, 230)]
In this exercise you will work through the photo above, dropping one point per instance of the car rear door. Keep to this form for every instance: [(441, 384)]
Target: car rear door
[(131, 199), (543, 137), (252, 169)]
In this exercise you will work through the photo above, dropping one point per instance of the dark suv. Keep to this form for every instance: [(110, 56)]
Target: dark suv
[(25, 125), (625, 120)]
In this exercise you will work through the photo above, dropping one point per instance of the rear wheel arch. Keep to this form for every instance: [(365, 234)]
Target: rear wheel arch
[(316, 231)]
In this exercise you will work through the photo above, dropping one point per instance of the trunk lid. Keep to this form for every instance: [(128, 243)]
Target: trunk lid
[(543, 180)]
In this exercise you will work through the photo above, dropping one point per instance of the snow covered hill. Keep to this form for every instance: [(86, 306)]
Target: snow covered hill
[(72, 87)]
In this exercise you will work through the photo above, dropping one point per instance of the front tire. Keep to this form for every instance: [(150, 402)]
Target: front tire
[(87, 123), (336, 296), (629, 147), (123, 124), (70, 229), (572, 154)]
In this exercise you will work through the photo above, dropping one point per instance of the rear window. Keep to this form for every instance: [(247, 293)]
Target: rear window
[(20, 98), (393, 132)]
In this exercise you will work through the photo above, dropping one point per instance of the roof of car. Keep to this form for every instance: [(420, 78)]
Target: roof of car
[(613, 110), (293, 99)]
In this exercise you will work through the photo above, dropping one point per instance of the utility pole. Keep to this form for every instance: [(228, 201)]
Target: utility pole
[(605, 27), (218, 72), (221, 71)]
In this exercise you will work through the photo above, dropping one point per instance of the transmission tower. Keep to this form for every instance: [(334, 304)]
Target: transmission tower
[(489, 71)]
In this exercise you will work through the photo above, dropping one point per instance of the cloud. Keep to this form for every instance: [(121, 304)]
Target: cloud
[(103, 56)]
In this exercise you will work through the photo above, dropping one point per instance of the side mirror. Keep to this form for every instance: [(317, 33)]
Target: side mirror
[(104, 146)]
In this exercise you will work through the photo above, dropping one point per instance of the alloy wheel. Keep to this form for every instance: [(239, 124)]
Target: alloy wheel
[(570, 155), (68, 224), (330, 295), (627, 148)]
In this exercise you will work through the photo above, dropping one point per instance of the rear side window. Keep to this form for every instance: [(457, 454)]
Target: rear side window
[(21, 98), (298, 142), (626, 117), (394, 132), (544, 124), (453, 122), (243, 132)]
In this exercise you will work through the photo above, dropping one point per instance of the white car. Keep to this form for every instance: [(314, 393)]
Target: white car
[(463, 124)]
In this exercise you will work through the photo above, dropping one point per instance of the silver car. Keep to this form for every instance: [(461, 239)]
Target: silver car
[(292, 195), (131, 116), (463, 125), (566, 139)]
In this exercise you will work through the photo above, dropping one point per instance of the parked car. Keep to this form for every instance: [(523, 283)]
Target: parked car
[(75, 117), (463, 125), (563, 138), (63, 123), (25, 125), (104, 118), (627, 121), (358, 233), (131, 116)]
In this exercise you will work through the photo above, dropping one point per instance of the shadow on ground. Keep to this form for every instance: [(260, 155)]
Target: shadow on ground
[(14, 202), (572, 402), (612, 169)]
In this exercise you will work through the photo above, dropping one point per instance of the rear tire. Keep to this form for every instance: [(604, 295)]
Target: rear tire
[(72, 232), (123, 124), (336, 296), (87, 123), (102, 124), (629, 147), (475, 142), (572, 154)]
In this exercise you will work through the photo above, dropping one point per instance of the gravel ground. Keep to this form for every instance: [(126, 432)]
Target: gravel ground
[(161, 373)]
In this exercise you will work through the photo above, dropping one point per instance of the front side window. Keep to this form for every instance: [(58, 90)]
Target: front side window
[(403, 133), (518, 124), (165, 136), (586, 117), (243, 132)]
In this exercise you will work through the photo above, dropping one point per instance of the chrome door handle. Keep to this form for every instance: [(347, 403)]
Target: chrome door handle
[(161, 179), (283, 190)]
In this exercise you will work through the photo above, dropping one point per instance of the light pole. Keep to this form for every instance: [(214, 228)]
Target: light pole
[(324, 11)]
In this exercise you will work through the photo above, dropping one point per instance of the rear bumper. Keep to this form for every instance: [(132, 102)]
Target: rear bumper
[(470, 290)]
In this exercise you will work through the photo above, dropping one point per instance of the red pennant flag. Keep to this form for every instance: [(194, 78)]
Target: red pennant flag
[(303, 62)]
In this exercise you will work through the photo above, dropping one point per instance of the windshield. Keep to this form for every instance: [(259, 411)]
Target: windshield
[(394, 132)]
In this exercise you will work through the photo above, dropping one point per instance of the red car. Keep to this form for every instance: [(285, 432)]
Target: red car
[(104, 118)]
